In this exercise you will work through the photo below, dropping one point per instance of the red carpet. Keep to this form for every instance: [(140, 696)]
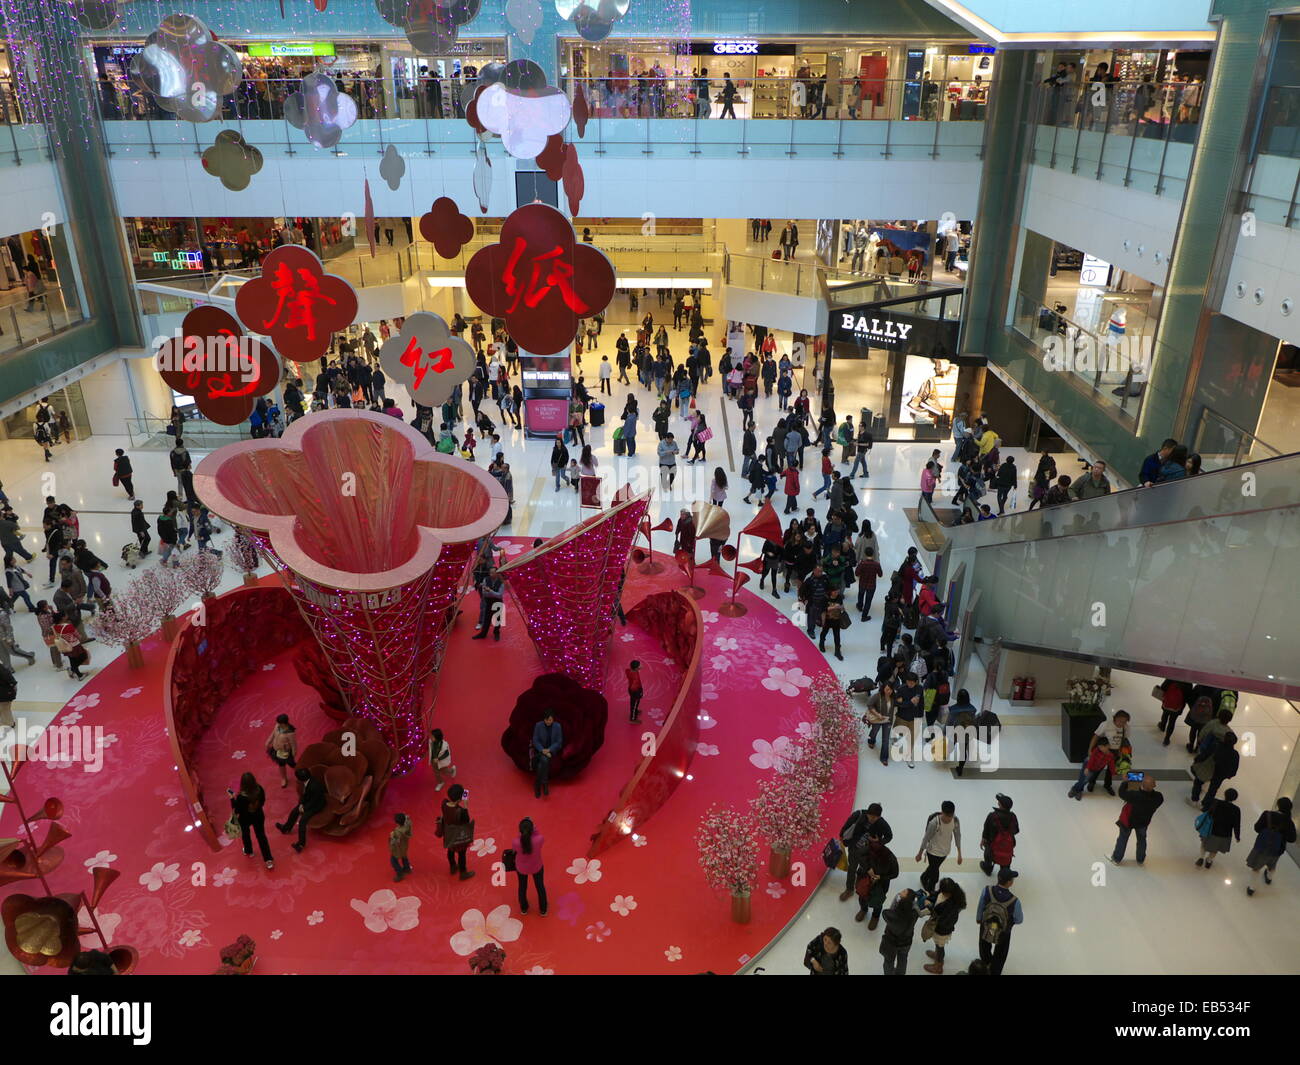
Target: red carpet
[(335, 908)]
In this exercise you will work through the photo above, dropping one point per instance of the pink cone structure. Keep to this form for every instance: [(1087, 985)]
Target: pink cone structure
[(567, 589), (374, 531)]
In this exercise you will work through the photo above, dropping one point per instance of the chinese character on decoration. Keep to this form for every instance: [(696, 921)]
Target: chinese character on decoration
[(296, 303), (212, 359), (427, 359), (540, 279)]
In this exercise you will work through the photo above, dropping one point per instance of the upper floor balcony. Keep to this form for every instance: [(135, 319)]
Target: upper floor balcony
[(630, 118)]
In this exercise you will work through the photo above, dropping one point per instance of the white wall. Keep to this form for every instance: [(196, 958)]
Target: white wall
[(127, 388), (1130, 229), (31, 192), (735, 186), (776, 310), (1269, 264)]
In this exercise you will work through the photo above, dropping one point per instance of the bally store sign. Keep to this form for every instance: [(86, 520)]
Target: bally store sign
[(869, 327)]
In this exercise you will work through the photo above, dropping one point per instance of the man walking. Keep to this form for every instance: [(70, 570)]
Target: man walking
[(942, 830), (1141, 801), (997, 913), (123, 474), (998, 840)]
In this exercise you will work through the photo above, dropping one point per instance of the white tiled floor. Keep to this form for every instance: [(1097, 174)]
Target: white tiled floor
[(1081, 915)]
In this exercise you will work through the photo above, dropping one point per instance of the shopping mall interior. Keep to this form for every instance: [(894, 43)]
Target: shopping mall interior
[(846, 449)]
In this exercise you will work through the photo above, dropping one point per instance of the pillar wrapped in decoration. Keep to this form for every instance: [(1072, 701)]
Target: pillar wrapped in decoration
[(567, 589), (375, 532)]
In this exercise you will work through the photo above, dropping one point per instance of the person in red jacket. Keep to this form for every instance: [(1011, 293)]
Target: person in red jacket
[(791, 476), (1100, 758), (928, 600), (827, 468), (634, 691)]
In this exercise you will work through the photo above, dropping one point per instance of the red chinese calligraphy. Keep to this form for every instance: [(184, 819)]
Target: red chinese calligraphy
[(540, 279), (413, 357), (559, 274), (213, 360), (296, 303)]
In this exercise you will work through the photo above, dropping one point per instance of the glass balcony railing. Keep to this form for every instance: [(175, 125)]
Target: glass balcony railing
[(1222, 443), (1113, 370), (27, 320), (630, 117), (1135, 134)]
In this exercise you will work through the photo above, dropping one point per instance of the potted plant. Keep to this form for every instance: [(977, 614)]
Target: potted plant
[(787, 812), (163, 589), (1081, 713), (728, 846), (488, 960), (124, 621), (201, 573), (239, 958), (243, 557)]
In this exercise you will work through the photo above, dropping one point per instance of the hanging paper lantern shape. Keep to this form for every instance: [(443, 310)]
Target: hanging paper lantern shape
[(433, 25), (522, 75), (321, 5), (296, 303), (427, 359), (523, 118), (490, 74), (581, 111), (482, 175), (187, 69), (95, 14), (393, 12), (575, 183), (551, 158), (392, 168), (593, 19), (213, 360), (525, 18), (232, 159), (540, 279), (370, 220), (446, 228), (320, 110)]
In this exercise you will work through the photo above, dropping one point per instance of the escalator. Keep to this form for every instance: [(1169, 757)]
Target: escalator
[(1198, 578)]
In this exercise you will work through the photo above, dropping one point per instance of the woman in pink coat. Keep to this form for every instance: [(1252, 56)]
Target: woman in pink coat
[(528, 862)]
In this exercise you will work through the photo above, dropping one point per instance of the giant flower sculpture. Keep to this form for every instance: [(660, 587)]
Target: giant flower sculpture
[(377, 530), (355, 765), (540, 279)]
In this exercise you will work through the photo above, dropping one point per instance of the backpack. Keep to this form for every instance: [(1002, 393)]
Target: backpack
[(508, 857), (1204, 822), (1003, 845), (997, 919)]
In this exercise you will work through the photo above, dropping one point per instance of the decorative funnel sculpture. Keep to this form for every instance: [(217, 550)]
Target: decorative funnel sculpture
[(374, 531), (567, 589)]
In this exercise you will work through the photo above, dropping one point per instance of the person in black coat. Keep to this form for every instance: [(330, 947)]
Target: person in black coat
[(900, 927), (826, 955), (140, 526), (249, 806), (862, 826), (309, 805)]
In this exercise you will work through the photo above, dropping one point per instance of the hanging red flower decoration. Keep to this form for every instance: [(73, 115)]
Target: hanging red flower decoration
[(581, 111), (575, 182), (471, 112), (443, 226), (212, 359), (296, 303), (540, 279), (551, 158)]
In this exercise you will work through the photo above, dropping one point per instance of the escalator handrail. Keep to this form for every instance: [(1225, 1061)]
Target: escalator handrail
[(1266, 484)]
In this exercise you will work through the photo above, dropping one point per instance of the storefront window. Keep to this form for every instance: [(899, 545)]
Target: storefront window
[(781, 78)]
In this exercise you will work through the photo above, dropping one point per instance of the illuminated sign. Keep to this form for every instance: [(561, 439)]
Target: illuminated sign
[(292, 48), (980, 49), (183, 260), (879, 330), (735, 48)]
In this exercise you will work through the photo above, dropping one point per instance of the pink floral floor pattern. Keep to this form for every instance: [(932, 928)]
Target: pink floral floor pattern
[(640, 907)]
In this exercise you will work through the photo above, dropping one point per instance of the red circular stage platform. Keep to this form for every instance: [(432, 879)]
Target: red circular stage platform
[(640, 907)]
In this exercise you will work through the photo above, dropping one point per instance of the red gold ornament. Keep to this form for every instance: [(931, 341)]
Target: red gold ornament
[(540, 279), (296, 303)]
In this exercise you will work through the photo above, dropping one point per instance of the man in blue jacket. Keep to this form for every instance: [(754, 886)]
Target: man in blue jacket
[(548, 740), (1150, 472)]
